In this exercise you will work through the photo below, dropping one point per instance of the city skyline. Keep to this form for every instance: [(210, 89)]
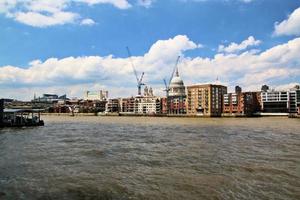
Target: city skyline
[(68, 46)]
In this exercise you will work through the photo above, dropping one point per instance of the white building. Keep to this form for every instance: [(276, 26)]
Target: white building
[(96, 95), (281, 101), (147, 104)]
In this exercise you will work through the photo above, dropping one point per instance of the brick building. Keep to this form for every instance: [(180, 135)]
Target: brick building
[(241, 103), (206, 99)]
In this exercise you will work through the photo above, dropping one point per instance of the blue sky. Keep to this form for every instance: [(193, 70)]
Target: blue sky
[(68, 46)]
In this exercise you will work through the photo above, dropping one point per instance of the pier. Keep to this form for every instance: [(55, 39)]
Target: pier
[(19, 117)]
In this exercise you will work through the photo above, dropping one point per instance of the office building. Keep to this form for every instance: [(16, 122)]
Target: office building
[(285, 101), (96, 95)]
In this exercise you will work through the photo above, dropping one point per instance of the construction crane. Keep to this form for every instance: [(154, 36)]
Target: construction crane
[(139, 80), (167, 85)]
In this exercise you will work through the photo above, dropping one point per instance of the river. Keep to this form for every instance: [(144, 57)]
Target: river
[(152, 158)]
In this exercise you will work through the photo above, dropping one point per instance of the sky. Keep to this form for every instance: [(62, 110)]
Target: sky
[(70, 46)]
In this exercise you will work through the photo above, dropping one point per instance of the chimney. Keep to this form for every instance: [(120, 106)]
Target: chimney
[(238, 89)]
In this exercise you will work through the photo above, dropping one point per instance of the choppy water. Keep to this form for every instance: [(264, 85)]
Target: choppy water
[(152, 158)]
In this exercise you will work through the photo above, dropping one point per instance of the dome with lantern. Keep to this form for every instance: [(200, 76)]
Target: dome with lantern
[(177, 87)]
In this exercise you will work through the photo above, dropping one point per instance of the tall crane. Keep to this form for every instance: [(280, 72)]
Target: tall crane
[(167, 85), (139, 80)]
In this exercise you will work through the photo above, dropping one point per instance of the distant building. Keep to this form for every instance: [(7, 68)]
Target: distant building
[(147, 105), (96, 95), (205, 99), (49, 98), (127, 105), (285, 101), (78, 106), (164, 105), (241, 103), (113, 105), (177, 96)]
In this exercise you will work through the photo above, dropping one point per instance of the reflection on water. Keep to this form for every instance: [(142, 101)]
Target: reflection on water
[(152, 158)]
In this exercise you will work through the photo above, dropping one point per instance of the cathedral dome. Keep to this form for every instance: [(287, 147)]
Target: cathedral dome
[(176, 82), (177, 87)]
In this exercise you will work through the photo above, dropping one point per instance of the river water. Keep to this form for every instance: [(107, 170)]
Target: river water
[(152, 158)]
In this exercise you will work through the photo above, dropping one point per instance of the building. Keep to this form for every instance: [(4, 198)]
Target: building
[(49, 98), (275, 101), (294, 103), (177, 96), (164, 105), (241, 103), (96, 95), (113, 105), (285, 101), (127, 105), (205, 99), (147, 104)]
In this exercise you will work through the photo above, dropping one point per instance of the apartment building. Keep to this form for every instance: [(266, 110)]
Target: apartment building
[(206, 99)]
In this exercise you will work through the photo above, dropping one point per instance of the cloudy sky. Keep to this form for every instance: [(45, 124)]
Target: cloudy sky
[(69, 46)]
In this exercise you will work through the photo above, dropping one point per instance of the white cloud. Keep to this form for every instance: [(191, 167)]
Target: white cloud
[(290, 26), (87, 22), (45, 6), (286, 86), (39, 20), (72, 75), (170, 49), (235, 48), (145, 3), (121, 4), (6, 5), (44, 13)]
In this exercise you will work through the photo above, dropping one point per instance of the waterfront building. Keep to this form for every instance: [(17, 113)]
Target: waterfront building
[(177, 96), (127, 105), (96, 95), (147, 104), (113, 105), (275, 101), (284, 101), (164, 105), (241, 103), (206, 99), (78, 106)]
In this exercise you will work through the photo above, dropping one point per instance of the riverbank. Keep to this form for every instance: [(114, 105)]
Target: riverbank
[(284, 115)]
